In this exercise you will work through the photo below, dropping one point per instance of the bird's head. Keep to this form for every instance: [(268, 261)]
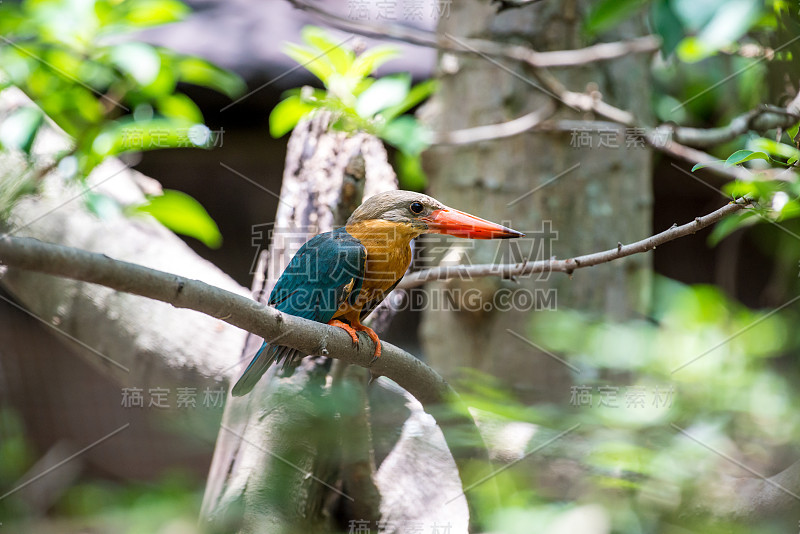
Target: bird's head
[(420, 214)]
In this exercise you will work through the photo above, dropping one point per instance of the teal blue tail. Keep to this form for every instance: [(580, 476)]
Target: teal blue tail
[(261, 362)]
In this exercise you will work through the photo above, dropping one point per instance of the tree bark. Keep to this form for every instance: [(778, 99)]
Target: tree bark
[(602, 198)]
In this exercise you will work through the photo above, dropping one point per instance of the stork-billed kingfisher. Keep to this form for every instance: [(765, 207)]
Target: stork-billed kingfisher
[(339, 277)]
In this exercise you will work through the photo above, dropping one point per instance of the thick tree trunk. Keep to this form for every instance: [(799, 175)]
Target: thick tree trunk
[(568, 200)]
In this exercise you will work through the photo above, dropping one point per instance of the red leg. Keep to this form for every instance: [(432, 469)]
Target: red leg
[(347, 328)]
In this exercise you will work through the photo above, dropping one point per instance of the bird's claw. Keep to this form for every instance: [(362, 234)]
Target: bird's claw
[(353, 331), (374, 337), (347, 328)]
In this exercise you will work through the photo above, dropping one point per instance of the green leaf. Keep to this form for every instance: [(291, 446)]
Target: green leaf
[(790, 210), (18, 131), (606, 14), (761, 190), (667, 25), (409, 172), (730, 20), (139, 60), (315, 62), (417, 94), (200, 72), (774, 148), (154, 12), (707, 164), (740, 156), (183, 215), (340, 57), (792, 131), (407, 135), (730, 224), (180, 106), (384, 93), (366, 63), (285, 116)]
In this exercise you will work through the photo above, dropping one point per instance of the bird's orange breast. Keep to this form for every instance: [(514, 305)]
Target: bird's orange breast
[(388, 257)]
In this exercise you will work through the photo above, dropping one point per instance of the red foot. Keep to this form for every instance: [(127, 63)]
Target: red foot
[(353, 331), (347, 328)]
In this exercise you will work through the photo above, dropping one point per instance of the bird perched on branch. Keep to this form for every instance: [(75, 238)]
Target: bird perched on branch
[(339, 277)]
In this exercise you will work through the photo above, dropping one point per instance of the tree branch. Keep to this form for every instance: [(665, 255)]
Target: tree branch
[(761, 119), (425, 384), (491, 132), (309, 336), (561, 58), (512, 270)]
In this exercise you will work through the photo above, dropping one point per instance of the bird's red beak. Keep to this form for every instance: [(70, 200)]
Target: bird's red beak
[(457, 223)]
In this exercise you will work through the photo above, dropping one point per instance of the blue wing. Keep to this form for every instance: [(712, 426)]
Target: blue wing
[(325, 272)]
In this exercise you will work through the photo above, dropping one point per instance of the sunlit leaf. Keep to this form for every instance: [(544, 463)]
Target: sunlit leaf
[(315, 62), (287, 114), (139, 60), (757, 189), (369, 60), (340, 57), (183, 215), (384, 93), (154, 12), (180, 106), (789, 210), (200, 72), (774, 148)]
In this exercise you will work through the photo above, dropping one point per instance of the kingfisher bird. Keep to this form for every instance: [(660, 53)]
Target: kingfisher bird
[(339, 277)]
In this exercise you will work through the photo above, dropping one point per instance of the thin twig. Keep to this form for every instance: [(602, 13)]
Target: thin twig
[(569, 265), (561, 58)]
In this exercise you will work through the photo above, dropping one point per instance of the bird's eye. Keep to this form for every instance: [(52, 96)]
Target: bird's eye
[(416, 208)]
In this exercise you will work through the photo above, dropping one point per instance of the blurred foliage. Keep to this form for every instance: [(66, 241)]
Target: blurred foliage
[(724, 372), (720, 59), (696, 360), (358, 101), (75, 59), (170, 504)]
